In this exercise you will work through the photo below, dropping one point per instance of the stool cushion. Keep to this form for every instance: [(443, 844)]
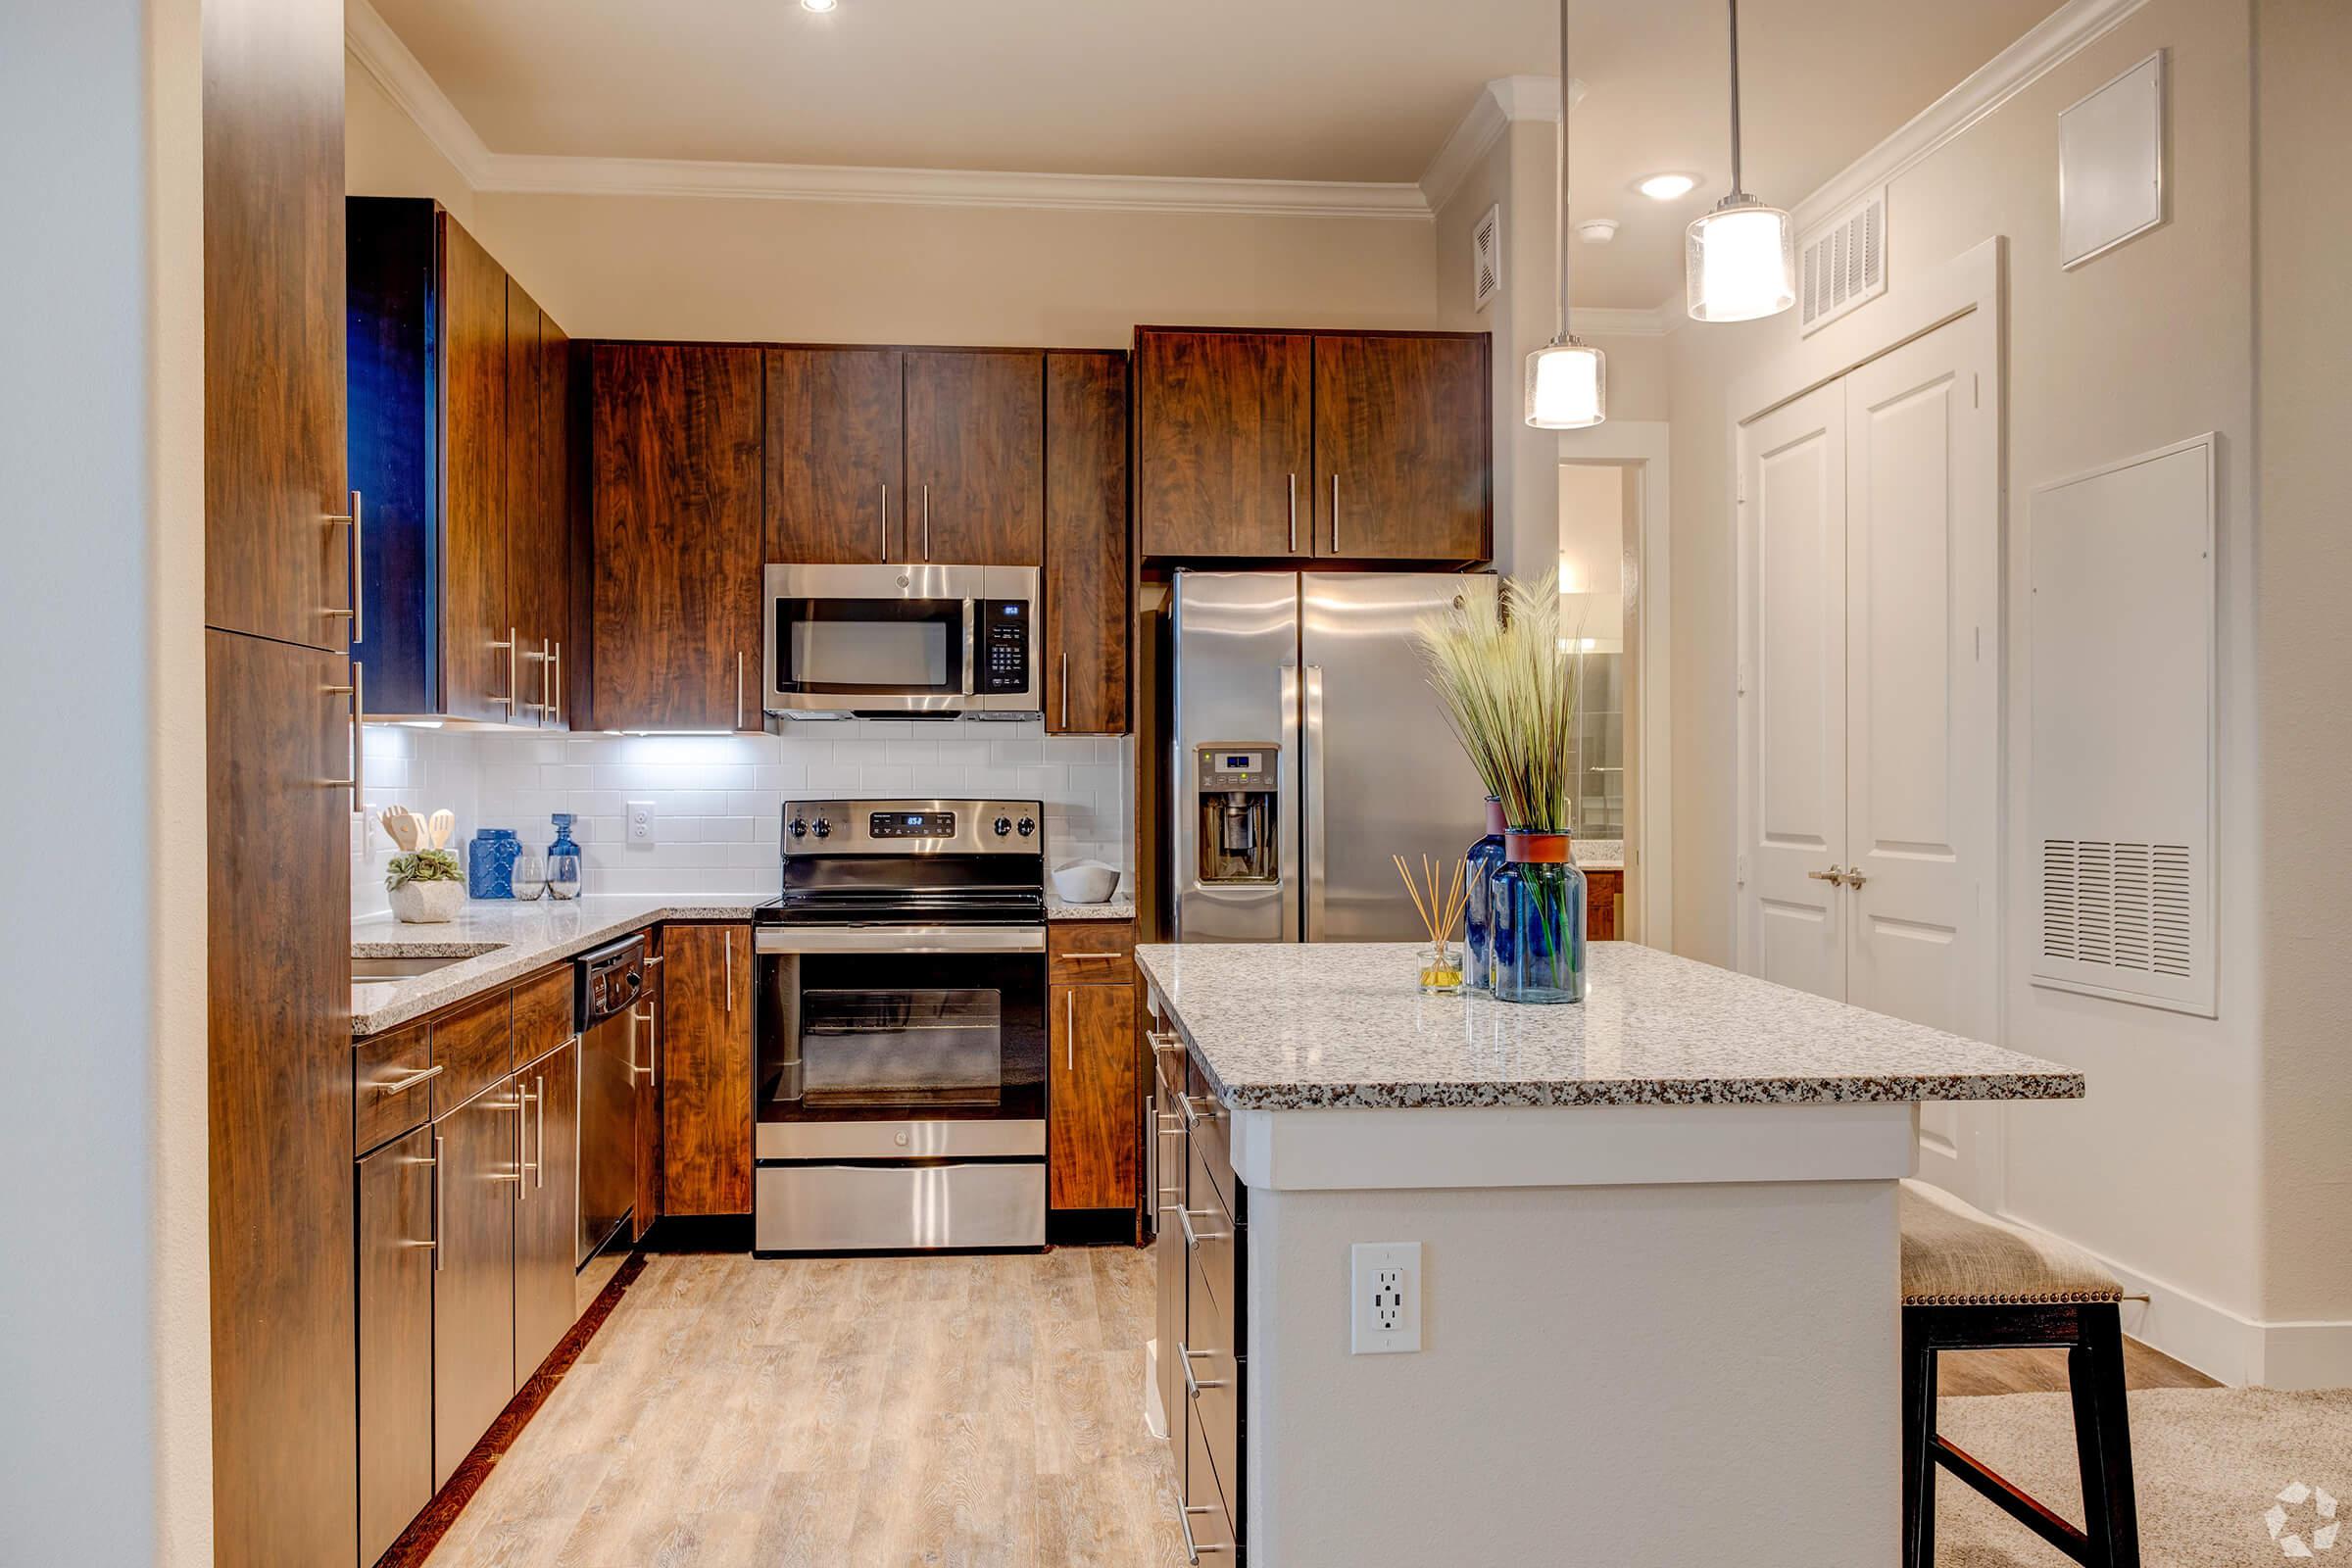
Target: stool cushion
[(1955, 1255)]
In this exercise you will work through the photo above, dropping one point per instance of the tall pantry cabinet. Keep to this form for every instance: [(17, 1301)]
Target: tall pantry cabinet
[(281, 739)]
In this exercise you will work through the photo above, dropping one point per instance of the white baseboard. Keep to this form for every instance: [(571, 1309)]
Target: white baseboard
[(2238, 1351)]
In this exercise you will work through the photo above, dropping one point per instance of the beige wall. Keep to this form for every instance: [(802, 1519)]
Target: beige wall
[(2302, 235), (2160, 1168), (876, 272)]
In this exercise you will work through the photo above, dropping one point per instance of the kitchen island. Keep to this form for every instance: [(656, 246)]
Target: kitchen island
[(1657, 1301)]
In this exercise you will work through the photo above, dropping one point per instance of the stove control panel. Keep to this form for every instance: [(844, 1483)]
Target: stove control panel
[(910, 824), (912, 827)]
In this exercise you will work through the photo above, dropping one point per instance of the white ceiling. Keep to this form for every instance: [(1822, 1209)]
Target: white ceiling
[(1273, 89)]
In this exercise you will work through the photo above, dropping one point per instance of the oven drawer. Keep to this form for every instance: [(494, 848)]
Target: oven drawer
[(827, 1208), (898, 1140)]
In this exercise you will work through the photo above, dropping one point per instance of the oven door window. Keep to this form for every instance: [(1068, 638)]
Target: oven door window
[(909, 1049), (879, 646)]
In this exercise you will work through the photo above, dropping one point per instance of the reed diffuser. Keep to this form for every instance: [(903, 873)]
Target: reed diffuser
[(1441, 910)]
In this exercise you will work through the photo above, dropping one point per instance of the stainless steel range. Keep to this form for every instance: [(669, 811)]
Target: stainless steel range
[(902, 1029)]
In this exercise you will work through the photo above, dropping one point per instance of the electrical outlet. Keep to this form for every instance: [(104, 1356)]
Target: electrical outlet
[(641, 822), (1384, 1297)]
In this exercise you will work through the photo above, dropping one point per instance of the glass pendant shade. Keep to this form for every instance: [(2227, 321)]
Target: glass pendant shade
[(1567, 386), (1741, 263)]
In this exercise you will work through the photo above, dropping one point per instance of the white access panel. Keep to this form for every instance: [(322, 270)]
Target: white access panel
[(2120, 797)]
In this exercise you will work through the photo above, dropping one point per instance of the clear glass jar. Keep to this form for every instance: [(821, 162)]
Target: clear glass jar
[(1441, 967), (1480, 863), (1537, 940)]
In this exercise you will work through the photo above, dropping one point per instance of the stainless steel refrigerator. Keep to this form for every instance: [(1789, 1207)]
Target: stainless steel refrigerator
[(1306, 747)]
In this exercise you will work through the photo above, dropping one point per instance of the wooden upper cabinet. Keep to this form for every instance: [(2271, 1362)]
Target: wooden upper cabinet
[(707, 1069), (975, 458), (1402, 448), (538, 492), (676, 449), (836, 455), (1088, 617), (1223, 443), (479, 673), (1092, 1151), (274, 566)]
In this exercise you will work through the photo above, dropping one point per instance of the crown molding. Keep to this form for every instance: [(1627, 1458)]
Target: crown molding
[(404, 79), (370, 40), (949, 187), (2040, 50), (1498, 104)]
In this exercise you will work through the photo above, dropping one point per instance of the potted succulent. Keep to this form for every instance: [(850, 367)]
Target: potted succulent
[(1510, 683), (426, 887)]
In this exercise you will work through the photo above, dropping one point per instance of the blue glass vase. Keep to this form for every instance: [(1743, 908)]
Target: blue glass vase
[(490, 863), (1483, 859), (1537, 940)]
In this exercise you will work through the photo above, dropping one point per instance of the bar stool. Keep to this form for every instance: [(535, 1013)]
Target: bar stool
[(1974, 1283)]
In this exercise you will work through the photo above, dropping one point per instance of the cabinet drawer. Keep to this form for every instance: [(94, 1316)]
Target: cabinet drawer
[(1090, 952), (392, 1086), (542, 1013), (1210, 1127), (1208, 1519), (1212, 1238), (474, 1047), (1209, 1373)]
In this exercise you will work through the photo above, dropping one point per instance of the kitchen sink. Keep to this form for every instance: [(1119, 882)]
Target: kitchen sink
[(403, 969)]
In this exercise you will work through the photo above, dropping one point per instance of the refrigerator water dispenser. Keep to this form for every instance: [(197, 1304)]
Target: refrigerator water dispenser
[(1239, 831)]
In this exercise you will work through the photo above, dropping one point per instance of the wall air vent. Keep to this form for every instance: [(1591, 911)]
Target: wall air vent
[(2120, 769), (1485, 259), (1841, 262)]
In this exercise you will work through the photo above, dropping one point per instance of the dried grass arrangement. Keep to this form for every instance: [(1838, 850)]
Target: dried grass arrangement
[(1511, 685)]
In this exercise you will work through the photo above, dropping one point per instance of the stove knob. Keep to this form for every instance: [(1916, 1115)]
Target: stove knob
[(1028, 825), (800, 829), (824, 829), (1003, 826)]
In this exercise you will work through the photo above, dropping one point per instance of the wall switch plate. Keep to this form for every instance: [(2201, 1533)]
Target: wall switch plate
[(1383, 1314), (641, 822)]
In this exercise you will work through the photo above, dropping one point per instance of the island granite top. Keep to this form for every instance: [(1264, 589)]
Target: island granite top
[(501, 941), (1290, 1026)]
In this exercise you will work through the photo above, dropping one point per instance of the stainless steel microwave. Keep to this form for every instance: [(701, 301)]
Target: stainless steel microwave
[(902, 639)]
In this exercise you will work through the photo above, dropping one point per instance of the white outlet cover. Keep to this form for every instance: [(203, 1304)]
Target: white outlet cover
[(641, 822), (1384, 1313)]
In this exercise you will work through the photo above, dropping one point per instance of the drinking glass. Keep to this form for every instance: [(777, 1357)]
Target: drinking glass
[(530, 874), (564, 875)]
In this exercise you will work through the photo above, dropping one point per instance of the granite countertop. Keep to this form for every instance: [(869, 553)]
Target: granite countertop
[(1120, 906), (1598, 854), (501, 942), (1306, 1026)]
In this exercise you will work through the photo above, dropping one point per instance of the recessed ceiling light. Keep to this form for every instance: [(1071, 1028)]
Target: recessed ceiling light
[(1596, 230), (819, 6), (1657, 187)]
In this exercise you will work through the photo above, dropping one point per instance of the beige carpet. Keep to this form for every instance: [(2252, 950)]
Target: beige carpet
[(2209, 1464)]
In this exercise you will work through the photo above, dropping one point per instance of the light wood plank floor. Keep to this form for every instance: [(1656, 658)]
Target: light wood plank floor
[(969, 1412)]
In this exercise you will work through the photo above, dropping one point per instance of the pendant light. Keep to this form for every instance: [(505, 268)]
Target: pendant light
[(1740, 258), (1567, 382)]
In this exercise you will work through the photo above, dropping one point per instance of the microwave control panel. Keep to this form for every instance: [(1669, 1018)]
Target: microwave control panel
[(1004, 634)]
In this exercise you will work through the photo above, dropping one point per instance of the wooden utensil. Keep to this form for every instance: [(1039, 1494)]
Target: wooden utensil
[(395, 819), (443, 824)]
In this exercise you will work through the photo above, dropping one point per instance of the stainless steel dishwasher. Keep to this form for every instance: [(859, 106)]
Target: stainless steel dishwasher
[(612, 1038)]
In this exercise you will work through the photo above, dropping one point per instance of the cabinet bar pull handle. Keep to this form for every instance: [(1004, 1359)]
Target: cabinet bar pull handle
[(648, 1070), (738, 688), (1069, 1031), (555, 686), (730, 936), (524, 1166), (1065, 691), (1294, 513), (1093, 955), (356, 781), (509, 700), (926, 522), (1193, 1549), (388, 1086), (540, 1164), (1165, 1042), (547, 680), (440, 1202), (433, 1245), (882, 524), (358, 613), (1335, 511), (1192, 1385), (1193, 1238)]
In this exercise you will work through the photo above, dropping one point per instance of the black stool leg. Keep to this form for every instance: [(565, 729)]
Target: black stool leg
[(1919, 1459), (2103, 1439)]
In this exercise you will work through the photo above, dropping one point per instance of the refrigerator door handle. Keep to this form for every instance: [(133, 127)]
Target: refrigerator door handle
[(1316, 883), (1289, 816)]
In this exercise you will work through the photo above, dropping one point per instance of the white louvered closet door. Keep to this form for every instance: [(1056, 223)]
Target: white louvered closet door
[(1792, 482), (1869, 721)]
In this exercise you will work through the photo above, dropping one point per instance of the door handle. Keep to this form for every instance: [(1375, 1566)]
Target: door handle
[(1834, 873), (1854, 878), (1317, 852)]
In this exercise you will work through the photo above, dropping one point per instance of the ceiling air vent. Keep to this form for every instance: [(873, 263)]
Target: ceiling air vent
[(1485, 259), (1842, 263)]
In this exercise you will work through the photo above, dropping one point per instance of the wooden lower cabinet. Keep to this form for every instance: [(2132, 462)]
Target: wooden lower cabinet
[(1203, 1327), (707, 1069), (479, 1146), (396, 1241), (645, 1064), (1090, 1154), (1604, 904), (547, 1209)]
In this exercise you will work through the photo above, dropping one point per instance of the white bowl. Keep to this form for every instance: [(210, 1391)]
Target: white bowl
[(1086, 882)]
